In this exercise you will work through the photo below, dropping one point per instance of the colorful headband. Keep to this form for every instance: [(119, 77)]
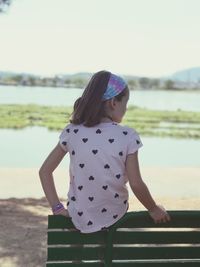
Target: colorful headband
[(115, 86)]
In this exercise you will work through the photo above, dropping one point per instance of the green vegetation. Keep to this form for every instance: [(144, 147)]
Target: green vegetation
[(180, 124)]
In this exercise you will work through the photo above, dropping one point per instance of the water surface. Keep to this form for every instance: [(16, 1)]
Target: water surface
[(30, 146), (152, 99)]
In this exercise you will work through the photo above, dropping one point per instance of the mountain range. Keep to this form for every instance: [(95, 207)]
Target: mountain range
[(187, 75)]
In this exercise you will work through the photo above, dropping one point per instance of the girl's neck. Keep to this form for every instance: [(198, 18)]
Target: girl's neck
[(107, 118)]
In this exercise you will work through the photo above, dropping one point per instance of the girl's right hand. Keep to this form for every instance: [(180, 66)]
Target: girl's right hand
[(159, 214), (63, 212)]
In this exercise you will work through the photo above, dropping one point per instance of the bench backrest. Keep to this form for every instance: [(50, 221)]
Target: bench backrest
[(135, 240)]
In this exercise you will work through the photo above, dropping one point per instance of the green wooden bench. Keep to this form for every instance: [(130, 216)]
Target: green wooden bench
[(134, 241)]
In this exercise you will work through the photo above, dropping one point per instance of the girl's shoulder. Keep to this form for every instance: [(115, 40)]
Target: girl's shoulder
[(113, 127), (127, 129), (70, 126)]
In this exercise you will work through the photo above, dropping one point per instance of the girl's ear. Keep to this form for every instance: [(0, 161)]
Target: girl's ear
[(112, 103)]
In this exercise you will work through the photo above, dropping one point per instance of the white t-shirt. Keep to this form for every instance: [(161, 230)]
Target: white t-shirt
[(98, 195)]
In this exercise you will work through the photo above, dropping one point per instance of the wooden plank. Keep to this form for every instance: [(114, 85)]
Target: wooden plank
[(59, 221), (154, 237), (156, 264), (128, 253), (75, 253), (76, 238), (83, 264), (127, 264), (188, 219), (137, 219)]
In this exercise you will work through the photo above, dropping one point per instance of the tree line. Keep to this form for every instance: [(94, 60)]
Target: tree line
[(76, 81)]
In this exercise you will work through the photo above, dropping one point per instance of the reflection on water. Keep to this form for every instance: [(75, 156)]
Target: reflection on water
[(29, 147)]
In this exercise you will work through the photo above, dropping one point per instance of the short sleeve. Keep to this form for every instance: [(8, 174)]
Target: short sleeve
[(64, 137), (134, 142)]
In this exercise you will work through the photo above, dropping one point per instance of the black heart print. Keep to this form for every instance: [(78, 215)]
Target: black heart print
[(106, 166), (125, 201), (121, 153), (125, 132), (80, 213), (91, 178), (81, 165), (104, 187), (98, 131), (73, 152), (67, 130), (116, 195), (118, 176), (94, 151), (115, 216), (64, 143), (73, 198), (104, 210), (90, 223), (138, 142), (111, 140), (75, 130), (91, 198), (85, 140), (80, 187)]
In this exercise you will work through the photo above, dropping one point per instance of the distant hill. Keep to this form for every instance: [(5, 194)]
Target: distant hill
[(187, 75), (81, 75)]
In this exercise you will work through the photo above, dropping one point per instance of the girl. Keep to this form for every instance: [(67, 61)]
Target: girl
[(103, 158)]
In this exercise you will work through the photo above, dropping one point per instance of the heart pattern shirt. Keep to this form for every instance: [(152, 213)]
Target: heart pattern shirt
[(98, 194)]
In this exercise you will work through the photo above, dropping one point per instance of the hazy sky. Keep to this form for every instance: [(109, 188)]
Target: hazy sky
[(141, 37)]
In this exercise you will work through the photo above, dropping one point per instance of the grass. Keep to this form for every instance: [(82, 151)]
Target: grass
[(179, 124)]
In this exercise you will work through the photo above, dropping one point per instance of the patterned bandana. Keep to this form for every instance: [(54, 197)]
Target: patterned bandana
[(115, 86)]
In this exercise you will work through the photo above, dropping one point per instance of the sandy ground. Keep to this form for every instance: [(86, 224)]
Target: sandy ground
[(24, 213), (162, 181)]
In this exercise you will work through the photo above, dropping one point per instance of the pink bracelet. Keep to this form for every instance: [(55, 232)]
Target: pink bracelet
[(57, 208)]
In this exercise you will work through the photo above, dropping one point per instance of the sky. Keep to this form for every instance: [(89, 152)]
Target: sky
[(131, 37)]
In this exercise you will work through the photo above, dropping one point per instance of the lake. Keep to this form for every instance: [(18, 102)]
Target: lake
[(152, 99), (28, 147)]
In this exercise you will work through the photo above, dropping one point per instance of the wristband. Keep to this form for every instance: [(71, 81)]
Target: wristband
[(57, 208)]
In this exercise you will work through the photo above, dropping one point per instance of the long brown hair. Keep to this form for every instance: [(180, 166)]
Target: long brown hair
[(89, 108)]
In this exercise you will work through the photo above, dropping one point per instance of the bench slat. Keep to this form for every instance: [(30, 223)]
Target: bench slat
[(128, 253), (180, 219), (137, 219), (127, 264), (123, 237), (156, 237), (155, 264), (59, 221), (88, 264), (76, 238), (76, 253)]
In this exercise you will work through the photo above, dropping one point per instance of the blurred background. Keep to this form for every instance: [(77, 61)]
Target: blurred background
[(48, 52)]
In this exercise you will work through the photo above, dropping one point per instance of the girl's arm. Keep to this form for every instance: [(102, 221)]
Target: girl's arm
[(141, 191), (46, 174)]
